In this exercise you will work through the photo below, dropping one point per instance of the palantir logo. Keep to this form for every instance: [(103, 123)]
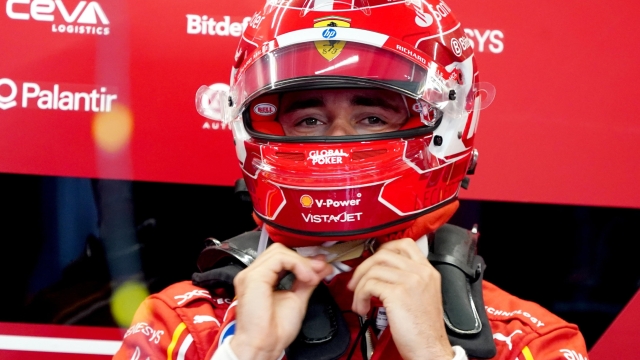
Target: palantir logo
[(61, 97), (85, 18), (8, 101)]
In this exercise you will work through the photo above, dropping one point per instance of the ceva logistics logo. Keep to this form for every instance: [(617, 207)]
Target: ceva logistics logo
[(85, 18)]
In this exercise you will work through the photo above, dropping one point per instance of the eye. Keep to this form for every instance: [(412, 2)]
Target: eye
[(374, 120), (308, 122)]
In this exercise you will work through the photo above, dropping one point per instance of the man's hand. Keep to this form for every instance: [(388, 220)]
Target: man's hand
[(268, 320), (409, 287)]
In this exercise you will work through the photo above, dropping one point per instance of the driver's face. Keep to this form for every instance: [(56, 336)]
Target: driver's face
[(341, 112)]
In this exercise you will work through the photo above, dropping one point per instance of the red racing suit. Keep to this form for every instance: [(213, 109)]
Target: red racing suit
[(188, 322)]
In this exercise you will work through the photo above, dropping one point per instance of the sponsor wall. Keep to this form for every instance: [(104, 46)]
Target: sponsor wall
[(106, 89)]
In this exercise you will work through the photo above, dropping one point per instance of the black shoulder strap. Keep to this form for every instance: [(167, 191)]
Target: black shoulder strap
[(453, 253)]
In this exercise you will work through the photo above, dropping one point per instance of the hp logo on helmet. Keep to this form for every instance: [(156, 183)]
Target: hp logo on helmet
[(329, 33)]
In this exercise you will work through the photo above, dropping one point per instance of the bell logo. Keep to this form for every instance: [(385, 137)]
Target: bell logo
[(79, 20), (8, 101), (265, 109)]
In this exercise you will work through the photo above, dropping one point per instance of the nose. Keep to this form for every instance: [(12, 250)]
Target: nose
[(341, 127)]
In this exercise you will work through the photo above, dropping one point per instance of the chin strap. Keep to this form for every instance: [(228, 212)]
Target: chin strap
[(264, 239), (336, 253)]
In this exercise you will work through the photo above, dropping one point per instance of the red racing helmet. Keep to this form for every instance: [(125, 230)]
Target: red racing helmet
[(339, 188)]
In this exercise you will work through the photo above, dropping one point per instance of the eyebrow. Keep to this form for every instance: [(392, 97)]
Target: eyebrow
[(376, 101), (356, 100), (304, 104)]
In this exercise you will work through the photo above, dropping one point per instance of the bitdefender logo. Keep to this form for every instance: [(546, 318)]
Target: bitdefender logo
[(85, 18), (205, 25), (55, 97)]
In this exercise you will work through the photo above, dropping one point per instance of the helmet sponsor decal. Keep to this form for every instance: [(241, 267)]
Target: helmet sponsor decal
[(306, 201), (330, 49), (459, 45), (339, 218), (326, 156), (338, 203), (439, 11), (425, 16), (411, 53), (265, 109), (329, 34), (428, 114), (255, 20), (423, 20)]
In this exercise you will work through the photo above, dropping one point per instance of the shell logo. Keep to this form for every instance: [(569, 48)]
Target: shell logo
[(306, 201)]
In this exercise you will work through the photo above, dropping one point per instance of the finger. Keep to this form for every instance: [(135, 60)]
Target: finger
[(316, 263), (303, 290), (274, 263), (273, 249), (406, 247), (322, 270), (383, 257), (369, 288), (319, 264), (386, 275)]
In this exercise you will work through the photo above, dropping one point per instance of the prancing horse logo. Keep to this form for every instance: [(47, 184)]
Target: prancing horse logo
[(330, 49)]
